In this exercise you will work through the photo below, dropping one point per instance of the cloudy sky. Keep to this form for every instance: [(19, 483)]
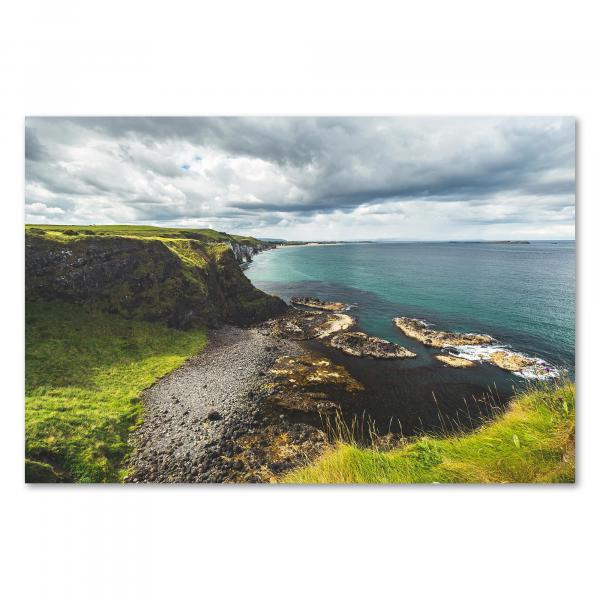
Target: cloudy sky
[(308, 178)]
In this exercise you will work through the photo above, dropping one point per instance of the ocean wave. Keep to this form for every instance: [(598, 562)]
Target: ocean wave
[(540, 369)]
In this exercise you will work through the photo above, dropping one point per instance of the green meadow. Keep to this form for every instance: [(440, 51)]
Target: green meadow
[(85, 372)]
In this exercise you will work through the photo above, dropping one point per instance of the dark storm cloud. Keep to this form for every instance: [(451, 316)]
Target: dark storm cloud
[(34, 151), (278, 169)]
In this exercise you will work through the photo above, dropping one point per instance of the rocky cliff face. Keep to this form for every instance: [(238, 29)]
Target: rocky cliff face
[(243, 253), (184, 282)]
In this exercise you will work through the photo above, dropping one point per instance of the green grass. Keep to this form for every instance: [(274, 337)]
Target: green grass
[(173, 276), (144, 231), (532, 442), (84, 375)]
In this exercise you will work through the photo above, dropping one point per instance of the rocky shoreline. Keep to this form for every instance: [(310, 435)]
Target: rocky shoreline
[(211, 421), (255, 404), (307, 324), (470, 348), (357, 343), (311, 302)]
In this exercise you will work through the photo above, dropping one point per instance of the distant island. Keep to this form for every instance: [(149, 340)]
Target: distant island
[(491, 242), (323, 242)]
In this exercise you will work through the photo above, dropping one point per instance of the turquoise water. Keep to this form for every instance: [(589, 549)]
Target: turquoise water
[(521, 294)]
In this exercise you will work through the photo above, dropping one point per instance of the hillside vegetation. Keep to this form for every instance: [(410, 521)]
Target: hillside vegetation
[(85, 372), (109, 310), (143, 231), (184, 278), (532, 442)]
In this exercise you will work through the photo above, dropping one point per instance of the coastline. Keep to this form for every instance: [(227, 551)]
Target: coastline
[(257, 402), (200, 420), (500, 302), (255, 407)]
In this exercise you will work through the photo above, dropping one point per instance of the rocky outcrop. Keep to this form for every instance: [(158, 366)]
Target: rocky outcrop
[(356, 343), (183, 282), (418, 330), (304, 383), (311, 302), (243, 252), (455, 361), (509, 361), (305, 325)]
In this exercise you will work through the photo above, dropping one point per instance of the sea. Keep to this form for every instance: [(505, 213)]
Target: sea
[(523, 295)]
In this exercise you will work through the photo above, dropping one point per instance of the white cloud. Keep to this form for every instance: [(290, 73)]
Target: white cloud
[(37, 208), (347, 178)]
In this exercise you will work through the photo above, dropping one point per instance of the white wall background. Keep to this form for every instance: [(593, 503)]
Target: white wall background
[(268, 57)]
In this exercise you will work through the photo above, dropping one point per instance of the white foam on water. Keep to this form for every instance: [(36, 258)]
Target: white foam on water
[(540, 370), (424, 322)]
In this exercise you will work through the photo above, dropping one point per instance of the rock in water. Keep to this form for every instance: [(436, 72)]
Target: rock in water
[(306, 325), (418, 330), (357, 343), (455, 361), (312, 302), (309, 383), (509, 361)]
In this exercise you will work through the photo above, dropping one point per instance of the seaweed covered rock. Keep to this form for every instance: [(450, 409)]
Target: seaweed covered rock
[(357, 343), (183, 282), (310, 383), (311, 302), (308, 324)]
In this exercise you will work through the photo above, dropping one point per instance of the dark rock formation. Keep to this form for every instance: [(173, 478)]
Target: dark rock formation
[(183, 282), (357, 343), (305, 383), (311, 302), (305, 325), (243, 252)]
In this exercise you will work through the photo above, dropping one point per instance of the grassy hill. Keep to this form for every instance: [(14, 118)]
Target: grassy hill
[(109, 310), (144, 231), (533, 442), (185, 278), (85, 372)]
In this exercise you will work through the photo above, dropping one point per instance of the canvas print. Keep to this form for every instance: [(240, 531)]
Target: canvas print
[(300, 300)]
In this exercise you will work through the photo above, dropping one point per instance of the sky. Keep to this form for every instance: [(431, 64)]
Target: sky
[(308, 178)]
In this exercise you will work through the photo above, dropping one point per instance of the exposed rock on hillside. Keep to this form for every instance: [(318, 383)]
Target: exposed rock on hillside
[(418, 330), (243, 253), (183, 282), (356, 343), (311, 302)]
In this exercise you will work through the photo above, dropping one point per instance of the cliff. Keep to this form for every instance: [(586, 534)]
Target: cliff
[(185, 278)]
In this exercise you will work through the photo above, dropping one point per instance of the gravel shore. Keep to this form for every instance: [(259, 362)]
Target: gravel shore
[(195, 416)]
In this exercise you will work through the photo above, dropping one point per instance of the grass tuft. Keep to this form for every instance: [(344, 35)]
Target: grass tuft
[(532, 442)]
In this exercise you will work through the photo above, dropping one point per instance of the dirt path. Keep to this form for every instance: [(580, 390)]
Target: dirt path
[(193, 416)]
